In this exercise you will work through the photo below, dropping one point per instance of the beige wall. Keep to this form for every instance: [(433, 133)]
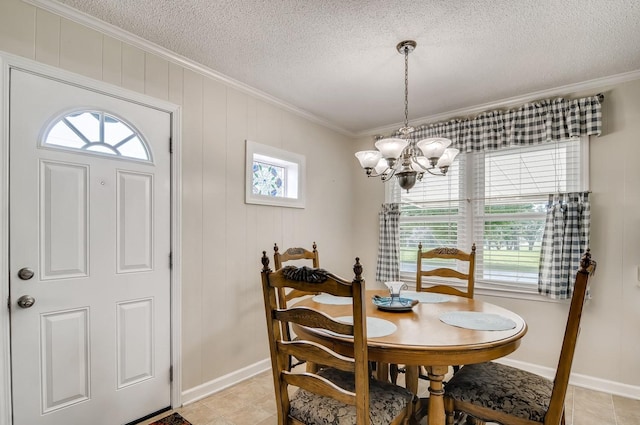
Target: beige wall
[(222, 320), (609, 342)]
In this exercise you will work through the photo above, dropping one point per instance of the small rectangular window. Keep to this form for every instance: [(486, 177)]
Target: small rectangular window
[(274, 176)]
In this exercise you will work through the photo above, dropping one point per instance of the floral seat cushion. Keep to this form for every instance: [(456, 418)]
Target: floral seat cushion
[(502, 388), (387, 401)]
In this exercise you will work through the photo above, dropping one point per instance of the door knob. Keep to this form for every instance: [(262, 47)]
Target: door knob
[(25, 273), (26, 301)]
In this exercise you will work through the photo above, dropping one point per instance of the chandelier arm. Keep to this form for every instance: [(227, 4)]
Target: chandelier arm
[(429, 170), (384, 177), (420, 166)]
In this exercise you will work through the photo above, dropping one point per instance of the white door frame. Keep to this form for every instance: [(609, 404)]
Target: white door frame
[(7, 62)]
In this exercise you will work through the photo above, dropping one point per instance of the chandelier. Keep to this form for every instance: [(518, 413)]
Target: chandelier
[(403, 156)]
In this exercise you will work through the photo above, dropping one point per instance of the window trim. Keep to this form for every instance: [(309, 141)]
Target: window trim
[(485, 287), (296, 198)]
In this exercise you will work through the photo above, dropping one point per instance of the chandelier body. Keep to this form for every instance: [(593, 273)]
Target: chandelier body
[(404, 157)]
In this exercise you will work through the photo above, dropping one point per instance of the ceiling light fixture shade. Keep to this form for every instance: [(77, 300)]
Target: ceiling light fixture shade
[(369, 159), (403, 156)]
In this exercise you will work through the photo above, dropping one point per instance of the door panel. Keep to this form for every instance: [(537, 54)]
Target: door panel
[(135, 222), (65, 358), (64, 211), (135, 342), (95, 230)]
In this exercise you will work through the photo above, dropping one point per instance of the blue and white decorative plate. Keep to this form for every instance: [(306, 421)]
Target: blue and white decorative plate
[(398, 304)]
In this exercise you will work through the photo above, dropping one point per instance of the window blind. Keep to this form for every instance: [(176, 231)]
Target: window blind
[(511, 188), (433, 214), (495, 199)]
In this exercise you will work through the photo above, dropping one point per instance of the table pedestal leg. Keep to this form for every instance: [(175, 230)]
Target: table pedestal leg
[(436, 414), (411, 378), (382, 372)]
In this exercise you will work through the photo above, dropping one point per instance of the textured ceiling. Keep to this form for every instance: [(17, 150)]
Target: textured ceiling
[(336, 59)]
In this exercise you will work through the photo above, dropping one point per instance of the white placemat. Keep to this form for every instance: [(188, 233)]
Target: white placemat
[(426, 297), (375, 327), (477, 320), (332, 299)]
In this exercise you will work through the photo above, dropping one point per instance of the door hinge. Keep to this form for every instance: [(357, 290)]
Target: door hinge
[(170, 145), (170, 373), (171, 260)]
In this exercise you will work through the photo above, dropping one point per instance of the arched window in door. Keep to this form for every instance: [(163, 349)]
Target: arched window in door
[(97, 132)]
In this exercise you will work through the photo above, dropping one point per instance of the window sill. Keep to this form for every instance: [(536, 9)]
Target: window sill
[(494, 290), (513, 293)]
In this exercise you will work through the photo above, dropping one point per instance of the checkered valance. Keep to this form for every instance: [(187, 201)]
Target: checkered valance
[(532, 123)]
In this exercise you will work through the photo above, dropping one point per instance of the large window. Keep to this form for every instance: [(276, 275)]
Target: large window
[(495, 199)]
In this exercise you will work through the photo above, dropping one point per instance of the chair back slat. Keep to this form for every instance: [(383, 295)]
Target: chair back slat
[(450, 254), (561, 381), (331, 286), (319, 385), (293, 254), (317, 354), (311, 318)]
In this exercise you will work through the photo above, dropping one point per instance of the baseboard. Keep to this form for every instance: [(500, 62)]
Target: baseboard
[(597, 384), (201, 391), (579, 380)]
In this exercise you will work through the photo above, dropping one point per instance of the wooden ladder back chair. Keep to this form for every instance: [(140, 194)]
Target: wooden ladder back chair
[(293, 254), (451, 255), (494, 392), (339, 392), (447, 254)]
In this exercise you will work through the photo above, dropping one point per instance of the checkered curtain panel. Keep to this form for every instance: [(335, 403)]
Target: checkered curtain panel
[(565, 239), (532, 123), (388, 267)]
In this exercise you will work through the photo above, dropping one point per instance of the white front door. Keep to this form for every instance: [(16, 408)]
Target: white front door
[(89, 217)]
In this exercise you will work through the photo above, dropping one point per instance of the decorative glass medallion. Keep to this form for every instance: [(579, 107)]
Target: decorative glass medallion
[(268, 179), (98, 132)]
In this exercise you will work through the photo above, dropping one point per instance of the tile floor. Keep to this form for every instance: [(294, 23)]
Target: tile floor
[(252, 403)]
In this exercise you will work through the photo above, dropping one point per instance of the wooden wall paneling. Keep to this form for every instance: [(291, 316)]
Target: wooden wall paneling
[(80, 49), (133, 68), (268, 124), (265, 122), (192, 260), (112, 61), (47, 38), (156, 76), (240, 318), (176, 79), (264, 223), (616, 239), (215, 289), (17, 28), (629, 347)]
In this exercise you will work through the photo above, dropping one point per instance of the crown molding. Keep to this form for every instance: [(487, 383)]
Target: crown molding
[(594, 84), (146, 45), (134, 40)]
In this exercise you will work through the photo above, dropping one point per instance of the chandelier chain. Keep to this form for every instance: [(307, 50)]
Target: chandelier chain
[(406, 88)]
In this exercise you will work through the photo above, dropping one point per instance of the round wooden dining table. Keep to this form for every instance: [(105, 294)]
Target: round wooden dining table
[(422, 339)]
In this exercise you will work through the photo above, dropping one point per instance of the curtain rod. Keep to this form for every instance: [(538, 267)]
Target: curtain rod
[(498, 198)]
